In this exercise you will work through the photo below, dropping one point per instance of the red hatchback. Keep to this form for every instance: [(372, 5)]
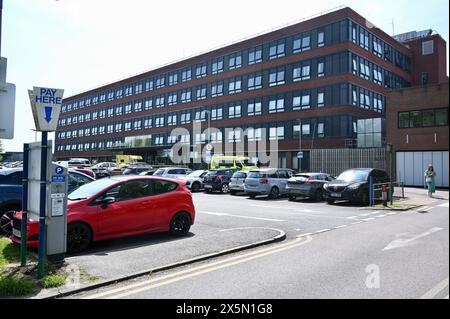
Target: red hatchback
[(120, 206)]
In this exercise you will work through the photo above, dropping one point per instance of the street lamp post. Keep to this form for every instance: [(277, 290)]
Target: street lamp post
[(299, 144)]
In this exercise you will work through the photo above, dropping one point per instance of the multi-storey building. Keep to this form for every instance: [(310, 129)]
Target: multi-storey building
[(315, 78)]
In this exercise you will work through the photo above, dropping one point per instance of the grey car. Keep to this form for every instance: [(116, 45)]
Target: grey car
[(267, 181), (237, 182), (308, 185)]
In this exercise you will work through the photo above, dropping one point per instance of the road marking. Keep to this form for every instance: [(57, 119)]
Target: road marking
[(185, 274), (368, 219), (375, 212), (366, 214), (380, 216), (435, 290), (352, 217), (322, 230), (241, 216), (392, 213), (342, 226), (303, 235), (444, 205), (288, 208), (407, 239), (358, 222)]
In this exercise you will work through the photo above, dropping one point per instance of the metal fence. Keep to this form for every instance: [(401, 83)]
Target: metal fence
[(335, 161)]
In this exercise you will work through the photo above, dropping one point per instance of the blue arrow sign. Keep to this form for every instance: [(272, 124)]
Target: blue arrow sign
[(48, 113), (299, 154)]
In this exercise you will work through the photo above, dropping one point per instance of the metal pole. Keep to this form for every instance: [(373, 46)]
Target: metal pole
[(1, 9), (300, 144), (391, 173), (23, 230), (42, 206), (370, 191)]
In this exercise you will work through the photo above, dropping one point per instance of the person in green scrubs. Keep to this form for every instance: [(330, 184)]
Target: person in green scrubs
[(430, 176)]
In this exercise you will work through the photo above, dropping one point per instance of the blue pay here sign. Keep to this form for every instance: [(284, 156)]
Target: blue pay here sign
[(46, 106)]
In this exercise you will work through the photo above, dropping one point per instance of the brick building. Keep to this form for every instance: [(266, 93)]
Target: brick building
[(324, 73)]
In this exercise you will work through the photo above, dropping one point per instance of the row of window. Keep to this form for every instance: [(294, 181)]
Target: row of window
[(336, 126), (423, 118), (338, 94), (337, 32)]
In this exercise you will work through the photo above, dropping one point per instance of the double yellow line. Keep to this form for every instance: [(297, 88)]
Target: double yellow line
[(136, 288)]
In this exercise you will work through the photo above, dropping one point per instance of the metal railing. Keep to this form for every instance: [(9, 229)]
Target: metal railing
[(375, 188)]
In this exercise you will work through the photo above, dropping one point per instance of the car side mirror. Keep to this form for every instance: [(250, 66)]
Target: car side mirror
[(106, 201)]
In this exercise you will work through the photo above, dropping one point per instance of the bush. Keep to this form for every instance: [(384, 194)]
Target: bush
[(15, 287), (53, 281)]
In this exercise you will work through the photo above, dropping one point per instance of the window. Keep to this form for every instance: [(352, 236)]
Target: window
[(217, 89), (186, 96), (148, 104), (159, 102), (254, 108), (277, 50), (148, 85), (364, 69), (254, 82), (301, 101), (172, 99), (200, 71), (301, 73), (185, 118), (173, 78), (276, 105), (301, 43), (234, 136), (276, 77), (216, 137), (94, 130), (109, 130), (119, 110), (201, 93), (138, 88), (441, 117), (138, 106), (234, 111), (118, 127), (276, 133), (320, 68), (377, 47), (234, 86), (216, 114), (423, 118), (377, 75), (254, 55), (127, 126), (320, 39), (148, 123), (186, 75), (320, 99), (200, 116), (128, 91), (159, 121), (217, 66), (254, 134), (172, 120), (364, 99), (160, 82), (235, 61), (363, 39), (321, 130), (427, 47), (119, 93), (378, 104), (128, 108)]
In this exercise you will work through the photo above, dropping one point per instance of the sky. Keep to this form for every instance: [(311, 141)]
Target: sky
[(79, 45)]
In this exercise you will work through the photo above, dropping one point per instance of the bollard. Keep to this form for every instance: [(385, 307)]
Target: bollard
[(384, 194)]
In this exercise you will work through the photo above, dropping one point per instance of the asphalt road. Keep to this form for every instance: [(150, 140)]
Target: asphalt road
[(331, 251)]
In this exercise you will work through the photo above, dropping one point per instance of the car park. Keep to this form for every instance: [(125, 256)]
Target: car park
[(11, 192), (353, 185), (218, 180), (103, 169), (267, 181), (172, 172), (237, 182), (307, 185), (120, 206), (194, 180)]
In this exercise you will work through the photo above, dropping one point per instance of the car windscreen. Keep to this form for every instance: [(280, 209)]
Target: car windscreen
[(212, 173), (90, 189), (353, 175), (159, 172), (196, 173), (239, 175), (257, 174)]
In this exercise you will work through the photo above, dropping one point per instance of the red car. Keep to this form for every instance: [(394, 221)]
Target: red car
[(120, 206)]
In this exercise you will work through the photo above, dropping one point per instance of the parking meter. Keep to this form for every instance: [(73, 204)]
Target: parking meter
[(57, 214)]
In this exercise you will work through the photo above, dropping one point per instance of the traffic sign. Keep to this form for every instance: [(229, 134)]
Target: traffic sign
[(46, 106), (299, 154)]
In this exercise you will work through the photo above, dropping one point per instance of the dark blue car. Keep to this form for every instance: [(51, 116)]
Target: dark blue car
[(11, 193)]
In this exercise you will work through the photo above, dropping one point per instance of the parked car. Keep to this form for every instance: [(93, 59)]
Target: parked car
[(237, 182), (11, 193), (84, 170), (136, 170), (103, 169), (267, 181), (353, 185), (218, 180), (307, 185), (120, 206), (148, 172), (79, 162), (194, 180), (172, 172)]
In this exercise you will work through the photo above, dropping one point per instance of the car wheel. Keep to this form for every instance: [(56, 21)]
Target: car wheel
[(274, 193), (292, 198), (330, 201), (79, 236), (5, 222), (233, 193), (180, 224), (252, 196), (365, 198), (196, 187), (225, 189), (318, 196)]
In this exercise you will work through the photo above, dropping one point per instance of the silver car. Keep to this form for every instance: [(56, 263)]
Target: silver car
[(172, 172), (268, 181), (237, 182), (194, 180)]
